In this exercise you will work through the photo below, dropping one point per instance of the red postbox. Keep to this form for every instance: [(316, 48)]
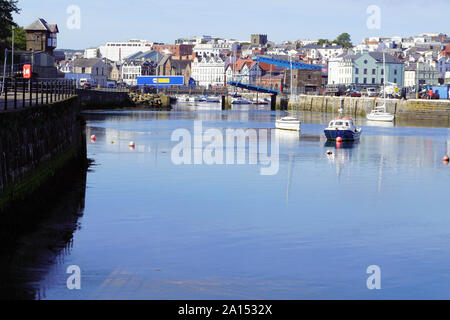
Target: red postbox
[(27, 71)]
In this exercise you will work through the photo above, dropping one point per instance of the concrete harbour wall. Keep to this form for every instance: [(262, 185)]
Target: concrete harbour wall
[(36, 143), (405, 109)]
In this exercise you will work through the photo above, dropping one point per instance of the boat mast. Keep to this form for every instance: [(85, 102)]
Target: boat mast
[(292, 82), (384, 79)]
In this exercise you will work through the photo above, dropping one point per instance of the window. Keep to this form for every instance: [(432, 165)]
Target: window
[(339, 123), (365, 80), (374, 71), (365, 71), (356, 71), (373, 80), (365, 61), (346, 124), (382, 71), (382, 80), (356, 80), (395, 80)]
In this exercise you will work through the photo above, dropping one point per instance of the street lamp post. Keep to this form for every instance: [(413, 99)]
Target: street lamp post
[(12, 54)]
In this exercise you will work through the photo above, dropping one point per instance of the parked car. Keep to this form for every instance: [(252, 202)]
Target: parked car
[(353, 94), (370, 92)]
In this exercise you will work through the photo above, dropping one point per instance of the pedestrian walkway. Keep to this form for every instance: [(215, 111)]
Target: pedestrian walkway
[(25, 94)]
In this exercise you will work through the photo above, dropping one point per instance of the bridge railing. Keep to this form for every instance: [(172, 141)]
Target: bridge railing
[(17, 93)]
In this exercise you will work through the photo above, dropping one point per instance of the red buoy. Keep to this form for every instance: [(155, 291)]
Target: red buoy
[(445, 159), (338, 139), (93, 137)]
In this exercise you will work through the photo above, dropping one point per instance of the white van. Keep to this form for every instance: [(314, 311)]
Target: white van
[(86, 83), (370, 92)]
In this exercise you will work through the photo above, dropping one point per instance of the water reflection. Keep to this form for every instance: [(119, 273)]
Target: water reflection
[(37, 236), (153, 229)]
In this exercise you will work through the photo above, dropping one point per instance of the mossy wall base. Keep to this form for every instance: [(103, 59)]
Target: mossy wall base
[(35, 143)]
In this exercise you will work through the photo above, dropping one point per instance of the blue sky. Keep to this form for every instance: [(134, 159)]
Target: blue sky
[(166, 20)]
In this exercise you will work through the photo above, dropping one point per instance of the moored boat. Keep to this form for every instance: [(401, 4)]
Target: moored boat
[(212, 99), (240, 101), (343, 128), (380, 114), (288, 123), (192, 99)]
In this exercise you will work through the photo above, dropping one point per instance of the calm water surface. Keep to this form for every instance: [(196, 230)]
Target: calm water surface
[(155, 230)]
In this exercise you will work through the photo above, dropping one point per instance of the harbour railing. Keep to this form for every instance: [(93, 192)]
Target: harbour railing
[(17, 93)]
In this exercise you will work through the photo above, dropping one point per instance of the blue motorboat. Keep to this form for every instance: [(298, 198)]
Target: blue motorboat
[(343, 128)]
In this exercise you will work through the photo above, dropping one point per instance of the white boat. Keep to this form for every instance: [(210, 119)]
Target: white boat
[(202, 99), (192, 99), (212, 99), (288, 123), (240, 101), (379, 113), (259, 101), (182, 98)]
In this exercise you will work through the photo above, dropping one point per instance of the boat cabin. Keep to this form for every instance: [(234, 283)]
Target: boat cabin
[(381, 109), (342, 124)]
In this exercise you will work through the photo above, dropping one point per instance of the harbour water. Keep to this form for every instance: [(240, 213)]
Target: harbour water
[(154, 229)]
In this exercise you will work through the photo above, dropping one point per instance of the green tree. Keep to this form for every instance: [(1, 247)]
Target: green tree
[(321, 42), (7, 8), (20, 39), (344, 40)]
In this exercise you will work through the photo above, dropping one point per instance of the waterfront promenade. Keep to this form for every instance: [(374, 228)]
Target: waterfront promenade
[(21, 94)]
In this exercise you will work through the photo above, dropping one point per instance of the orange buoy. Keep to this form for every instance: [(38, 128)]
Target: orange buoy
[(131, 144), (338, 139), (445, 159)]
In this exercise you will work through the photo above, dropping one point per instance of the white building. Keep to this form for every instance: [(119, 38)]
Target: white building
[(421, 74), (277, 51), (340, 69), (324, 52), (209, 49), (91, 53), (209, 71), (443, 65), (132, 69), (118, 51), (66, 66), (244, 71)]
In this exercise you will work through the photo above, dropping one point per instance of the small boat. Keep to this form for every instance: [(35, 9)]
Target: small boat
[(192, 99), (380, 114), (288, 123), (259, 101), (202, 99), (343, 128), (240, 101), (213, 99)]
